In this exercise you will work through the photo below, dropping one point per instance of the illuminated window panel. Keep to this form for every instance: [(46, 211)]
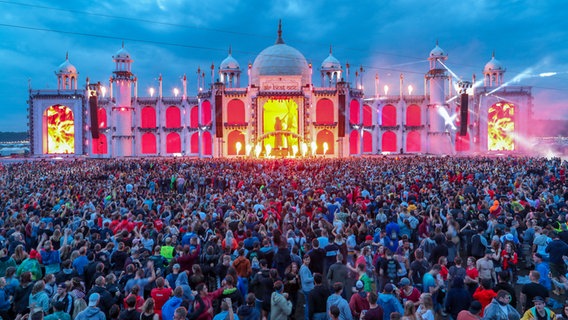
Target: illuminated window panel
[(60, 130)]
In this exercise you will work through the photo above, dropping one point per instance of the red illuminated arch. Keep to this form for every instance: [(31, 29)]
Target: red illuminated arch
[(236, 112), (173, 143), (194, 143), (354, 142), (173, 117), (462, 142), (149, 143), (367, 142), (388, 116), (389, 142), (413, 116), (323, 137), (413, 141), (354, 112), (207, 143), (148, 117), (102, 117), (100, 145), (194, 117), (233, 138), (206, 113), (324, 112), (367, 116)]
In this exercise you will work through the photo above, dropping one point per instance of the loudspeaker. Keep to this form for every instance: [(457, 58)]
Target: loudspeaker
[(94, 109), (219, 116), (463, 114), (341, 116)]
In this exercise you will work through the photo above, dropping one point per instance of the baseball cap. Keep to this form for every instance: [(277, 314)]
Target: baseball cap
[(404, 282), (538, 299), (94, 299), (359, 285), (389, 288), (368, 237), (176, 266)]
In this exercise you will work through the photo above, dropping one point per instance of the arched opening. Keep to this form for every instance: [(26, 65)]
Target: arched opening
[(102, 117), (173, 143), (149, 143), (462, 142), (324, 112), (173, 117), (388, 117), (194, 141), (354, 142), (413, 141), (367, 115), (100, 145), (233, 138), (388, 142), (354, 117), (206, 113), (500, 127), (323, 137), (207, 143), (60, 124), (194, 117), (148, 117), (413, 116), (367, 142), (236, 112)]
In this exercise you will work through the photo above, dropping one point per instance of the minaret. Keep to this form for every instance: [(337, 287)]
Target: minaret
[(437, 77), (66, 75), (230, 71), (123, 78), (330, 70)]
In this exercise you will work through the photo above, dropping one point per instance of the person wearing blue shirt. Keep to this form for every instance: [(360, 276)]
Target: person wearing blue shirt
[(81, 262), (337, 300)]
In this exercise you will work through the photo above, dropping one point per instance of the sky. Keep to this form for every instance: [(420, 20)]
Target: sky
[(176, 37)]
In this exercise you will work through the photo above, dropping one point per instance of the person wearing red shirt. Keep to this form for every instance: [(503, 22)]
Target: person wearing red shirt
[(207, 301), (160, 294), (407, 291), (484, 294)]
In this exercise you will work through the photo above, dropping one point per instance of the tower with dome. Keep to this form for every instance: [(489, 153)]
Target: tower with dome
[(278, 111)]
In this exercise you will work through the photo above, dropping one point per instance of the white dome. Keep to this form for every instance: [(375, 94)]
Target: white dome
[(330, 63), (122, 54), (229, 63), (280, 60), (437, 52), (66, 67), (492, 65)]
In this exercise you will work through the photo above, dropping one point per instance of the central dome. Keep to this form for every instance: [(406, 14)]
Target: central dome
[(280, 60)]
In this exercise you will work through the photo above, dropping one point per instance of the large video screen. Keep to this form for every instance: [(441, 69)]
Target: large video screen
[(279, 120), (60, 130), (500, 127)]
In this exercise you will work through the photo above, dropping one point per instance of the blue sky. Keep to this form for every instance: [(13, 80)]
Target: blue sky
[(175, 37)]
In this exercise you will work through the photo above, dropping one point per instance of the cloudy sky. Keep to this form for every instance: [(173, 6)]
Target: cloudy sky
[(175, 37)]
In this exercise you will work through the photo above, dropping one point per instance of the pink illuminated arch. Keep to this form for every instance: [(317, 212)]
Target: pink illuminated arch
[(194, 117), (236, 112), (413, 141), (354, 142), (413, 116), (367, 142), (367, 116), (100, 145), (194, 140), (173, 117), (148, 117), (324, 111), (232, 139), (388, 142), (149, 143), (206, 113), (173, 143), (102, 117), (207, 143), (325, 136), (354, 112), (388, 116)]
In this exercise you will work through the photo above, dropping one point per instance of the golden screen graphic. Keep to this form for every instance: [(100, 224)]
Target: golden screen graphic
[(280, 118), (500, 127), (60, 130)]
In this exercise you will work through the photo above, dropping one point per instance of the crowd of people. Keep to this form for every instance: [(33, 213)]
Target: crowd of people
[(408, 237)]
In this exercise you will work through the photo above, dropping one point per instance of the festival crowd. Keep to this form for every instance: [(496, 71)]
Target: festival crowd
[(378, 238)]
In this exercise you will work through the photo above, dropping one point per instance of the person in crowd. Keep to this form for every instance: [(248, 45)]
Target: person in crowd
[(338, 301), (539, 311), (500, 308)]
